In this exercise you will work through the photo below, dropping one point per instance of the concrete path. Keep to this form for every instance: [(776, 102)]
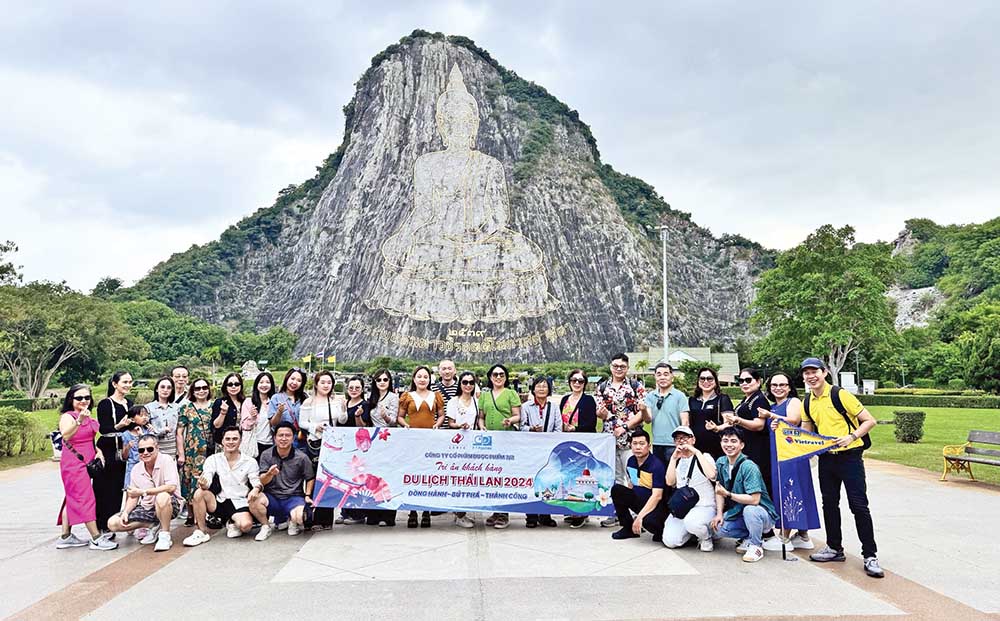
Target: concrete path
[(938, 568)]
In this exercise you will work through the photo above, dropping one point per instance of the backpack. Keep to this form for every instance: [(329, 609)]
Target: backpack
[(866, 440)]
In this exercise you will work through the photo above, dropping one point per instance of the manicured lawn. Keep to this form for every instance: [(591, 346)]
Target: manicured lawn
[(943, 426)]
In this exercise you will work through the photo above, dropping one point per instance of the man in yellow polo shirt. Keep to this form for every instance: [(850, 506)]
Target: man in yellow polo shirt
[(840, 415)]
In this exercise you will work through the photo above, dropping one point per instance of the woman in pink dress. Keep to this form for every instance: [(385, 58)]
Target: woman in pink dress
[(79, 506)]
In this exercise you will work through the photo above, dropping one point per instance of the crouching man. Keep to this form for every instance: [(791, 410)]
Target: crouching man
[(153, 496), (689, 467), (743, 508), (644, 495), (233, 503)]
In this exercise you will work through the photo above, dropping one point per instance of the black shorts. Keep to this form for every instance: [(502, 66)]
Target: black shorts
[(226, 509)]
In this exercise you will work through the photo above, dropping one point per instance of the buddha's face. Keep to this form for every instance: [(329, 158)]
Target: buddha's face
[(458, 123)]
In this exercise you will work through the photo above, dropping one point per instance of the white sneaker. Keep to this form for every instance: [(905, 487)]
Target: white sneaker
[(348, 521), (753, 554), (265, 532), (801, 543), (741, 545), (774, 544), (611, 522), (196, 538), (102, 543), (233, 531), (293, 528), (163, 542), (70, 541), (706, 544), (151, 534), (283, 525), (337, 520), (465, 522)]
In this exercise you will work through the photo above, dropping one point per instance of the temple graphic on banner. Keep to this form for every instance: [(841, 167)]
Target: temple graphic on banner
[(454, 259)]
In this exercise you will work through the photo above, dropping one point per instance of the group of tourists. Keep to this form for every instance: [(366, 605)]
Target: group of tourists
[(244, 458)]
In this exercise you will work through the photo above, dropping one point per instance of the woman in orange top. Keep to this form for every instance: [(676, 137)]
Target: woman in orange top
[(420, 408)]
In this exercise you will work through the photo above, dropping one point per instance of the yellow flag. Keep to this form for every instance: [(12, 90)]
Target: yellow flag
[(307, 358), (332, 359), (793, 442)]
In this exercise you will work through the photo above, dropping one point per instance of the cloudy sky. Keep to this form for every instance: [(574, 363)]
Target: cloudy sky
[(129, 131)]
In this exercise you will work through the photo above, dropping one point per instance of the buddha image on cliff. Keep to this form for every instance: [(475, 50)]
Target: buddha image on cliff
[(453, 258)]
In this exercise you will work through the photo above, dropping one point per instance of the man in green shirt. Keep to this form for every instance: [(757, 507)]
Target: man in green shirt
[(743, 509)]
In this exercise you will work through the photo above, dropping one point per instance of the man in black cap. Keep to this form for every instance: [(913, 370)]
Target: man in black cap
[(830, 411)]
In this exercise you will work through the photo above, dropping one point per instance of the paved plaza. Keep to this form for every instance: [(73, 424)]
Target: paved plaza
[(936, 546)]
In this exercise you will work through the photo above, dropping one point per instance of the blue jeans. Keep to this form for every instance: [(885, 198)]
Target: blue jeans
[(749, 525)]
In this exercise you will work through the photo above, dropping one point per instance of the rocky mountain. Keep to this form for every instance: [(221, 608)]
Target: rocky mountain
[(467, 213)]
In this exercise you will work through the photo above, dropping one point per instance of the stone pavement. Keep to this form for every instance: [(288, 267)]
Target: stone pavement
[(938, 568)]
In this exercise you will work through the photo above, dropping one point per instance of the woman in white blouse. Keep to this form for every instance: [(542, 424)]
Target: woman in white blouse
[(540, 415), (321, 410)]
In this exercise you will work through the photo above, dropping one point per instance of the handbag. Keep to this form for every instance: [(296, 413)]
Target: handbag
[(685, 498), (313, 446), (94, 467)]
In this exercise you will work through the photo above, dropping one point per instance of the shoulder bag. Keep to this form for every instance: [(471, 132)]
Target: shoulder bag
[(685, 498)]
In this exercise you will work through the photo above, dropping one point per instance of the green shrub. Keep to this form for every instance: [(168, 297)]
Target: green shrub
[(956, 383), (25, 405), (19, 433), (929, 401), (924, 383), (12, 394), (889, 384), (909, 425)]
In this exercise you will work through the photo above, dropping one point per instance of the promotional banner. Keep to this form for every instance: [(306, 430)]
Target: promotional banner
[(791, 448), (466, 470)]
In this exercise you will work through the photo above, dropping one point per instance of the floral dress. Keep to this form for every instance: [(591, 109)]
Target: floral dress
[(197, 425)]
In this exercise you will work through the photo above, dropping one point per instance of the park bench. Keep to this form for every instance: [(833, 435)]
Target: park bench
[(960, 457)]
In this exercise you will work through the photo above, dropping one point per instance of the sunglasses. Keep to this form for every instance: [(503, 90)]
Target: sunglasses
[(233, 385), (499, 374), (577, 380), (706, 378), (83, 398), (468, 383), (145, 449), (659, 402), (381, 379), (776, 385), (197, 388), (746, 380)]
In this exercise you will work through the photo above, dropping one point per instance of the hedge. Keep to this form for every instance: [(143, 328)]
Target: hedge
[(21, 404), (909, 425), (935, 401)]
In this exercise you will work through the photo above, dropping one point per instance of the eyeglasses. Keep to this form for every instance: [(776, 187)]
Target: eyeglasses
[(619, 366), (577, 380), (706, 378), (468, 383), (83, 398), (145, 449), (776, 385), (197, 388), (746, 380), (498, 374)]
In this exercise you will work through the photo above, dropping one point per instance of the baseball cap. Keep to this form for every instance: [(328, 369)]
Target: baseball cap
[(682, 429), (814, 363)]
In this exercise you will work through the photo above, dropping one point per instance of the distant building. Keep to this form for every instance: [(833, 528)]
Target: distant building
[(729, 362)]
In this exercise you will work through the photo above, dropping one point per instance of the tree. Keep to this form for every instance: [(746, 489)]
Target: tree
[(982, 354), (106, 287), (8, 271), (44, 325), (826, 297), (213, 356)]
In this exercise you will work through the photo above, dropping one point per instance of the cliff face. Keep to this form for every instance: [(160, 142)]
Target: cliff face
[(466, 217)]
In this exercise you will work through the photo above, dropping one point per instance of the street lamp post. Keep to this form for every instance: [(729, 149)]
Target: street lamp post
[(666, 324)]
